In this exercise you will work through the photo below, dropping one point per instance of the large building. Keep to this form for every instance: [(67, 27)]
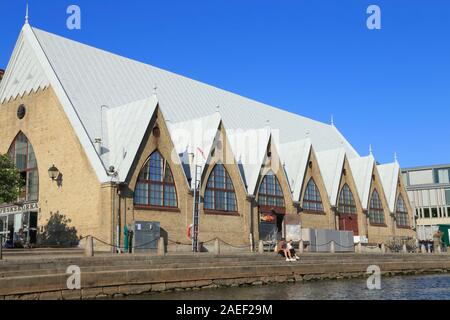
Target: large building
[(107, 141), (429, 191)]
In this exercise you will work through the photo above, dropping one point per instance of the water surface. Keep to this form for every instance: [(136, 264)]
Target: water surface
[(423, 287)]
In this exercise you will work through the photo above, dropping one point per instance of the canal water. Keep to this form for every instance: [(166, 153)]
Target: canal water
[(392, 288)]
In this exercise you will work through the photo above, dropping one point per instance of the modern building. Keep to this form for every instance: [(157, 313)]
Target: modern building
[(429, 192), (109, 141)]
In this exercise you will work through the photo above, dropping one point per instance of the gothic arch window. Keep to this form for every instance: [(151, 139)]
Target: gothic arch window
[(219, 193), (401, 213), (22, 154), (312, 200), (346, 201), (155, 186), (270, 193), (376, 212)]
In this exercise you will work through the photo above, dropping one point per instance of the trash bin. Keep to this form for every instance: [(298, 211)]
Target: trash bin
[(444, 228)]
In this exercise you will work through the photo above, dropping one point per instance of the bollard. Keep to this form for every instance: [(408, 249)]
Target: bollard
[(423, 249), (332, 247), (300, 247), (261, 247), (217, 246), (383, 248), (89, 247), (359, 248), (161, 247), (404, 249)]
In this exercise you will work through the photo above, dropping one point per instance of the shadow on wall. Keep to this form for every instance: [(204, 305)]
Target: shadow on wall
[(58, 233)]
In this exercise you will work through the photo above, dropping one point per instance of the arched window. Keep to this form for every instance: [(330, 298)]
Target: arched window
[(155, 185), (219, 194), (346, 201), (22, 153), (376, 212), (312, 200), (270, 193), (401, 213)]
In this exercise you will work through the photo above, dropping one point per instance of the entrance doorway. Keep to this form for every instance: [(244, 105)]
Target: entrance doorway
[(348, 222)]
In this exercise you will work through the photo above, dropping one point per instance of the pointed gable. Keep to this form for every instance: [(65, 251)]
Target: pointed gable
[(195, 137), (389, 175), (331, 163), (362, 169), (249, 148), (294, 156), (126, 127), (24, 73)]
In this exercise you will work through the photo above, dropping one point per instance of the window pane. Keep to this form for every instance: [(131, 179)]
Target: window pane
[(156, 194), (169, 196), (219, 194), (141, 194), (209, 200)]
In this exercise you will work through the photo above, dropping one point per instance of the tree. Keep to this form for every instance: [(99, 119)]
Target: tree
[(57, 232), (10, 180)]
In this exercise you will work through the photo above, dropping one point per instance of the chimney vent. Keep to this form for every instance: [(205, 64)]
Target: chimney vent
[(98, 146)]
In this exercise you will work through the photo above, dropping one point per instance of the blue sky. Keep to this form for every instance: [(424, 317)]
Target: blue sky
[(389, 87)]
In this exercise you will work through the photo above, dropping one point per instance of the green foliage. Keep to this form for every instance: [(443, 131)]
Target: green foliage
[(10, 180), (57, 232)]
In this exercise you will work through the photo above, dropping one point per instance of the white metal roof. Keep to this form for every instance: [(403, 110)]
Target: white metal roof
[(111, 80), (331, 163), (196, 137), (295, 157), (125, 128), (389, 175), (362, 170), (249, 148), (85, 79)]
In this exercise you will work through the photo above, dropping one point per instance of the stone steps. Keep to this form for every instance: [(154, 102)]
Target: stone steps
[(124, 262)]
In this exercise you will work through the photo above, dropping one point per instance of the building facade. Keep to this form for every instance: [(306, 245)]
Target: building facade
[(107, 141), (429, 191)]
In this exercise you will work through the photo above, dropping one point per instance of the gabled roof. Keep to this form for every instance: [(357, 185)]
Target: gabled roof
[(24, 73), (249, 148), (294, 155), (85, 79), (15, 84), (196, 137), (331, 163), (362, 170), (126, 127), (389, 175)]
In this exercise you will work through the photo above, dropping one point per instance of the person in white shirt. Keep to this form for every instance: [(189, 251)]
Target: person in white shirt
[(290, 248)]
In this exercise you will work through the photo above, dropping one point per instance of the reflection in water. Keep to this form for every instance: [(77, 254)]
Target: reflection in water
[(392, 288)]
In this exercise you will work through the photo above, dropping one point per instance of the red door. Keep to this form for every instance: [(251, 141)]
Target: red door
[(349, 222)]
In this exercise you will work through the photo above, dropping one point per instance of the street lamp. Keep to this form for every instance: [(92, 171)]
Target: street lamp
[(53, 172)]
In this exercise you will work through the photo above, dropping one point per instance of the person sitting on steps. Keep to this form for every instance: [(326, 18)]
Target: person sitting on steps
[(283, 251), (290, 248)]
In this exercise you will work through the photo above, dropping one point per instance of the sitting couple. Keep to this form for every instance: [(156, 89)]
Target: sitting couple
[(286, 249)]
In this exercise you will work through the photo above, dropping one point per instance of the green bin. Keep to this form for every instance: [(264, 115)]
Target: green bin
[(444, 228)]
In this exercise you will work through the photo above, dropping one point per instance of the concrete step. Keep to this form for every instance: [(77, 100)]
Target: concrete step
[(125, 262)]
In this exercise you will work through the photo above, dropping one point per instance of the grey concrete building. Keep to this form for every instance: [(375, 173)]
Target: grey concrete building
[(428, 188)]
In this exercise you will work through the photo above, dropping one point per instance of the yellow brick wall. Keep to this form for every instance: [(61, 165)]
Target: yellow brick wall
[(314, 220), (379, 234), (55, 143)]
